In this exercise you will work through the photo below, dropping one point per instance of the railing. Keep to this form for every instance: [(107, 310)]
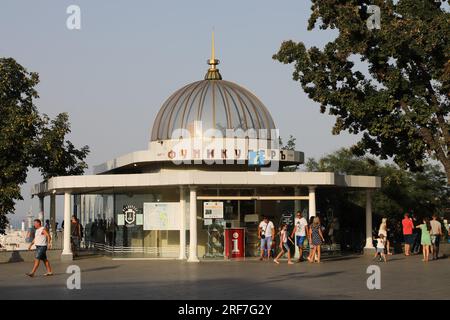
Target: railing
[(157, 252)]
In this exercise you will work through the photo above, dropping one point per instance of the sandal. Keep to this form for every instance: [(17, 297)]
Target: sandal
[(31, 275), (48, 274)]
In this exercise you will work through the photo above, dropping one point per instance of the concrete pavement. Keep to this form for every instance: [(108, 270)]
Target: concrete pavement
[(341, 278)]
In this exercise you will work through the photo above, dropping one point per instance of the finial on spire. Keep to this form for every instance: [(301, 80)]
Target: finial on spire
[(213, 72)]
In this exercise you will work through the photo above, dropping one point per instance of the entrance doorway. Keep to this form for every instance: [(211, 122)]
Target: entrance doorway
[(246, 212)]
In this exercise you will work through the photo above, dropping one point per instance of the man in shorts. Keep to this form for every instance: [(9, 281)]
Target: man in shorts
[(436, 233), (300, 225), (42, 241), (266, 232), (408, 227)]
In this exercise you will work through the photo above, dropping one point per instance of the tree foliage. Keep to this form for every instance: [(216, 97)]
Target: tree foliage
[(55, 156), (290, 144), (401, 104), (18, 127), (423, 192), (28, 139)]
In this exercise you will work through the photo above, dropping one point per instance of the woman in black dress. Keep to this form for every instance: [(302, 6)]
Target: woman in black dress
[(316, 239)]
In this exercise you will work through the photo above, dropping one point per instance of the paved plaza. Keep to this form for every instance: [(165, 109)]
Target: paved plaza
[(336, 278)]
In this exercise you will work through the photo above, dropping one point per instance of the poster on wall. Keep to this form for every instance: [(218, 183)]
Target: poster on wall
[(213, 210), (161, 216)]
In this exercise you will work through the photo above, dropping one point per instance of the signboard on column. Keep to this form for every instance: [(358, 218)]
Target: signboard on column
[(213, 210)]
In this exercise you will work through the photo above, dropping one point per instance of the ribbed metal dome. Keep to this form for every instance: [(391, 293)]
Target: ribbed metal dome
[(218, 104)]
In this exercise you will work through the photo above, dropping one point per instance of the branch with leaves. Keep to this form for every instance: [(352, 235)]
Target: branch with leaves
[(402, 103)]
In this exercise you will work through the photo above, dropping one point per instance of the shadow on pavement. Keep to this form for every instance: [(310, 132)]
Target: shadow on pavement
[(302, 275), (340, 258), (100, 268)]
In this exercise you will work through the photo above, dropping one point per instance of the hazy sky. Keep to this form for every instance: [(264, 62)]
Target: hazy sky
[(113, 75)]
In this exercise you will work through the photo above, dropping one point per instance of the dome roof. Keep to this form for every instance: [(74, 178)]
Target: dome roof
[(217, 103)]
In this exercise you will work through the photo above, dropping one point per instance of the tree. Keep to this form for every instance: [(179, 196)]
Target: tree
[(18, 127), (28, 139), (401, 104), (423, 192), (55, 156)]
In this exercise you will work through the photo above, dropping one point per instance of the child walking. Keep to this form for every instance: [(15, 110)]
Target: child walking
[(381, 242), (284, 245)]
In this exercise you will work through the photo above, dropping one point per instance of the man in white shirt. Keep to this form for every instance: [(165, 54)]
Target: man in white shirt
[(266, 232), (436, 233), (300, 226), (42, 240)]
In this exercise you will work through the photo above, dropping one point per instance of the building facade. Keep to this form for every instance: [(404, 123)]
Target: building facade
[(213, 163)]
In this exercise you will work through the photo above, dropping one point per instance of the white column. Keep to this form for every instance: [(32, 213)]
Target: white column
[(297, 203), (67, 250), (193, 225), (182, 225), (297, 207), (369, 241), (312, 201), (239, 210), (53, 215), (41, 210)]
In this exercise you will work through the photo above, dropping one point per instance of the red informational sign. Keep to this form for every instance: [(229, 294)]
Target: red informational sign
[(235, 243)]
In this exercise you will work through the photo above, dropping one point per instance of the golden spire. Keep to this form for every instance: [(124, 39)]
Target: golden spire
[(213, 72), (212, 49)]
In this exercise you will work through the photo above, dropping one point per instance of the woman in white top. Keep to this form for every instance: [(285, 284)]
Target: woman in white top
[(383, 231)]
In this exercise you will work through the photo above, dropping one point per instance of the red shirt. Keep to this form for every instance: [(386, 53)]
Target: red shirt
[(408, 226)]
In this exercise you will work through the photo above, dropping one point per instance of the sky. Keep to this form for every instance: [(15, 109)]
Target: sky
[(113, 74)]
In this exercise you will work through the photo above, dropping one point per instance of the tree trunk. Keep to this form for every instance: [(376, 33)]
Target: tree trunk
[(446, 164)]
